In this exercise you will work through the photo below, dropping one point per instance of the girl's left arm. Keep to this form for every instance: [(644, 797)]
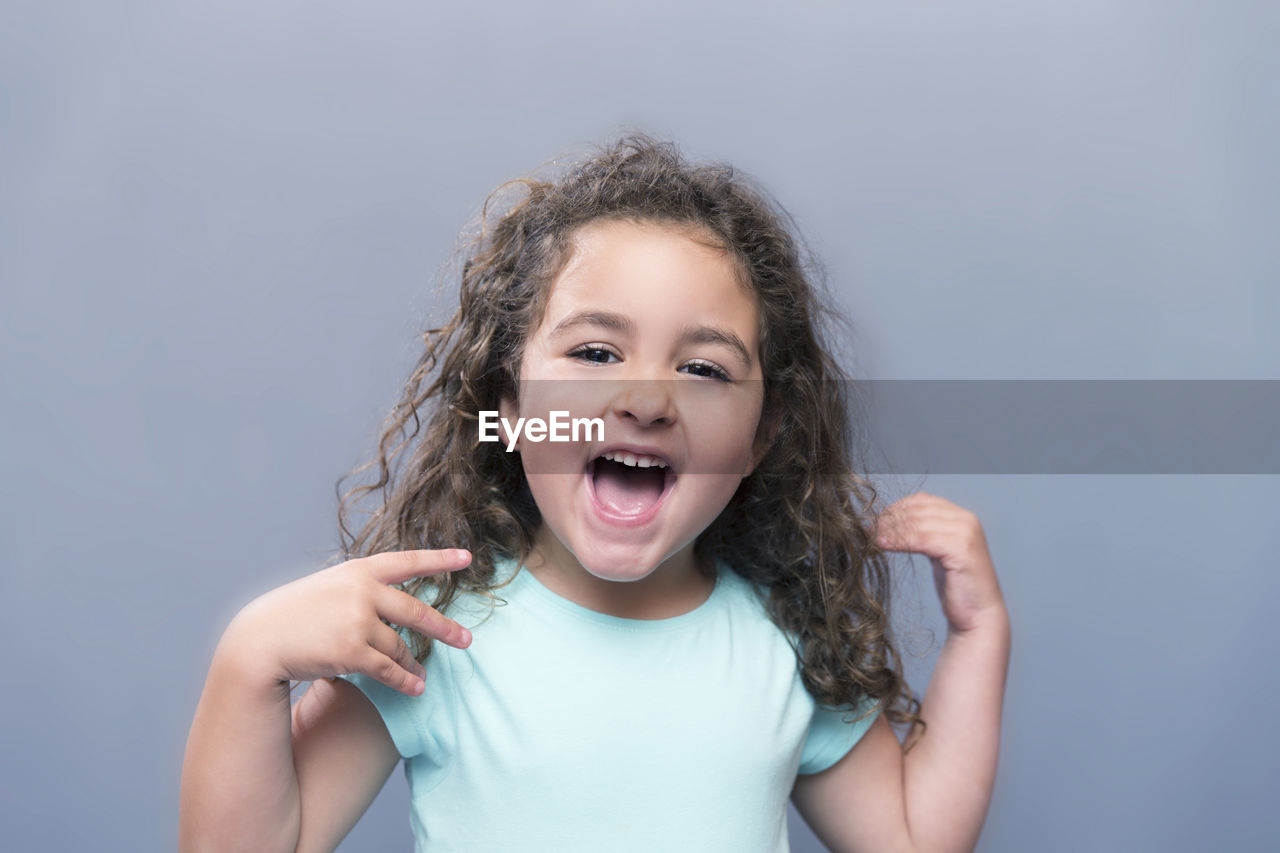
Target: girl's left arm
[(935, 797)]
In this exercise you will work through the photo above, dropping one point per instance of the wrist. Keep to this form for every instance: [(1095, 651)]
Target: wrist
[(992, 623), (240, 655)]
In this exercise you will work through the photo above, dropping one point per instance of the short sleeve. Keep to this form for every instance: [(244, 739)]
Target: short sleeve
[(414, 722), (830, 738)]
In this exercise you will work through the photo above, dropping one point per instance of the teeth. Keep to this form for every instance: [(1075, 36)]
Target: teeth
[(635, 460)]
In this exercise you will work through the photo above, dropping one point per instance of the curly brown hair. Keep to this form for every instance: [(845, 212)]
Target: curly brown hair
[(799, 524)]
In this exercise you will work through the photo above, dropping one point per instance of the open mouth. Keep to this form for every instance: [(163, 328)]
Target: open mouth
[(630, 485)]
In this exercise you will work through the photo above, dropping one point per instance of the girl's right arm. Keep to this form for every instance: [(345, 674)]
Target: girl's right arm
[(258, 776)]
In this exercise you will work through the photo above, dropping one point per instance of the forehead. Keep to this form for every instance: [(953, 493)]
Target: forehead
[(640, 267)]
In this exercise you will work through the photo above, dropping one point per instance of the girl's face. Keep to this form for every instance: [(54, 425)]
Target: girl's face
[(665, 323)]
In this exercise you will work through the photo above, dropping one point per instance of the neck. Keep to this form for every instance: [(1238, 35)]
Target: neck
[(676, 586)]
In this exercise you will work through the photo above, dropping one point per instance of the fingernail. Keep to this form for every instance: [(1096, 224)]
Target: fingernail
[(466, 637)]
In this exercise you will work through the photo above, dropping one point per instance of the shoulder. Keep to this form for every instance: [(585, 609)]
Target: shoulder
[(747, 605), (750, 599), (739, 588)]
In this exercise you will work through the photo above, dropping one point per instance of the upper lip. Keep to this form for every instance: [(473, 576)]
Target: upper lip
[(636, 450)]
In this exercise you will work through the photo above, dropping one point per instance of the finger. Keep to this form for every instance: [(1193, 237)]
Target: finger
[(907, 513), (918, 499), (924, 501), (388, 641), (919, 516), (403, 609), (401, 566), (381, 668), (929, 536), (893, 522)]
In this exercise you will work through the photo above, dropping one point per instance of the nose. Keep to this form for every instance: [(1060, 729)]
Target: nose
[(645, 402)]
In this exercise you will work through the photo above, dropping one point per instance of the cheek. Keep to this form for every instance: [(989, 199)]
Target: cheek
[(722, 437), (542, 394), (551, 492)]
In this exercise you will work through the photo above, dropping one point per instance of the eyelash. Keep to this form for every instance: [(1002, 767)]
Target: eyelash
[(718, 373)]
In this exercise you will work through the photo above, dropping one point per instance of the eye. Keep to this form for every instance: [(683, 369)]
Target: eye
[(707, 369), (593, 354)]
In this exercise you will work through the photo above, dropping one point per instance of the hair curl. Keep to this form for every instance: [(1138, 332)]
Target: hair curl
[(799, 524)]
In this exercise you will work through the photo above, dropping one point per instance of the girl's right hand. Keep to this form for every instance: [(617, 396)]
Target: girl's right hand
[(330, 622)]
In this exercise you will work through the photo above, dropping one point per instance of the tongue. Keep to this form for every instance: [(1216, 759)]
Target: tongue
[(626, 490)]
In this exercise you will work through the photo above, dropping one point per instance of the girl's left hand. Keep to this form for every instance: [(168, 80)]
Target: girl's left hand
[(952, 538)]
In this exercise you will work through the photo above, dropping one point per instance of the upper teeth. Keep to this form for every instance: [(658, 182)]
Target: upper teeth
[(635, 460)]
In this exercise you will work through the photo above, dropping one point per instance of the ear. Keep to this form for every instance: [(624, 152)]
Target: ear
[(507, 412), (765, 435)]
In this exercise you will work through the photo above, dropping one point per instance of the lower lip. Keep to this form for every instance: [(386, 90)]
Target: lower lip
[(637, 520)]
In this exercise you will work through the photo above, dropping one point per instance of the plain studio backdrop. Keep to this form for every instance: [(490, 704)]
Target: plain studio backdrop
[(220, 230)]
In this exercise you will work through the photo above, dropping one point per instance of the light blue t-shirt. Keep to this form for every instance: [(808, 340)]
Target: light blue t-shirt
[(564, 729)]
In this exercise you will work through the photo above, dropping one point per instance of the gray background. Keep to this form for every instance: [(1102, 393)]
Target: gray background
[(220, 225)]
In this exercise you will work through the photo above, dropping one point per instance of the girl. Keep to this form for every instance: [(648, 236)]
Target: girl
[(647, 638)]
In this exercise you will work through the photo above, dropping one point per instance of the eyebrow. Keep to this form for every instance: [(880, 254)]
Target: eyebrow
[(712, 335), (690, 335), (603, 319)]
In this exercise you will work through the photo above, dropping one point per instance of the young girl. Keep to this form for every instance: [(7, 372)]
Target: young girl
[(647, 637)]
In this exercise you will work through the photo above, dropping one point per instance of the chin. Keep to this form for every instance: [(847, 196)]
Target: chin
[(622, 563)]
